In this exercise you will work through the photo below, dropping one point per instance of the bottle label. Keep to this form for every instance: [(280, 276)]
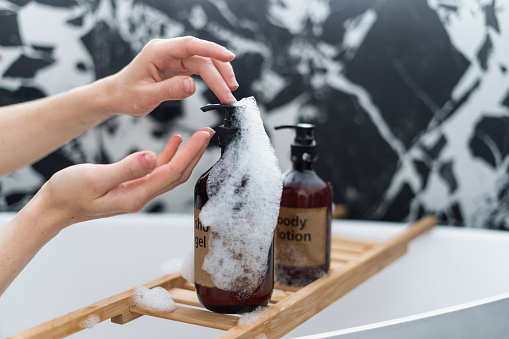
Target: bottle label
[(201, 249), (301, 236)]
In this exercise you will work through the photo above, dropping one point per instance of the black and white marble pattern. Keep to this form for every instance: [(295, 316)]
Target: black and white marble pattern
[(410, 98)]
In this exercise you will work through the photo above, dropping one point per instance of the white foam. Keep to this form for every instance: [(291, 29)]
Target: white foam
[(155, 299), (171, 265), (187, 269), (251, 317), (244, 189), (90, 322)]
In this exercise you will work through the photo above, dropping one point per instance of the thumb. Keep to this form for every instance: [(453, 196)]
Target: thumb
[(176, 88), (132, 167)]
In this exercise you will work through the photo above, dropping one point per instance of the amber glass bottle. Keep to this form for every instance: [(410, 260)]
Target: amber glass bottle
[(303, 233), (211, 297)]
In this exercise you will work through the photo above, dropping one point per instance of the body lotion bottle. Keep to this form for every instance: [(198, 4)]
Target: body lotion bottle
[(303, 232)]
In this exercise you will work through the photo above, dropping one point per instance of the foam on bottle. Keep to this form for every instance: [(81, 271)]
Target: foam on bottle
[(244, 189)]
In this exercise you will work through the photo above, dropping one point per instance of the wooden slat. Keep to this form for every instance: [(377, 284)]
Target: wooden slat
[(337, 241), (189, 286), (105, 309), (194, 316), (336, 265), (278, 295), (286, 288), (340, 211), (281, 318), (183, 296), (343, 245), (343, 256)]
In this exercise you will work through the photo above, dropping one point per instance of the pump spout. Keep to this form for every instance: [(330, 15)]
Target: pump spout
[(228, 112), (228, 130), (304, 145), (304, 133)]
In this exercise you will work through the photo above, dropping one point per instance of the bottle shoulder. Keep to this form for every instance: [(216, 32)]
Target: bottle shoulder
[(307, 178), (305, 189)]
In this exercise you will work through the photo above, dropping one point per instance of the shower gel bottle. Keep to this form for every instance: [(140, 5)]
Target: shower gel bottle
[(211, 297), (303, 232)]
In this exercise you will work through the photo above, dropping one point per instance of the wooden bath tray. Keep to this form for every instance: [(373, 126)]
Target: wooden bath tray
[(352, 262)]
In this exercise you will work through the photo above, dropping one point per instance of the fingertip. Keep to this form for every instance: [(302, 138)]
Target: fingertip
[(150, 159), (233, 83), (208, 130), (188, 86), (177, 138), (229, 98), (207, 133), (229, 54)]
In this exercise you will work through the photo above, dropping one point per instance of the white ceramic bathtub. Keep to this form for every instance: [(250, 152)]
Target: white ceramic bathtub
[(94, 260)]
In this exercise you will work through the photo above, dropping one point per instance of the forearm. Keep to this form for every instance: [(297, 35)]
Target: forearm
[(30, 131), (25, 235)]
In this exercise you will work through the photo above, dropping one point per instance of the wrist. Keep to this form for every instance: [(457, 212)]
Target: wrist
[(102, 98), (45, 219)]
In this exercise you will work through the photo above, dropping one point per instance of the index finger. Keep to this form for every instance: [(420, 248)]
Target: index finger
[(185, 47)]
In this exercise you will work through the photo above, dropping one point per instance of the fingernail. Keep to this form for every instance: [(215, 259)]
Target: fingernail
[(230, 53), (150, 159), (234, 82), (188, 85), (205, 132), (230, 97), (211, 131)]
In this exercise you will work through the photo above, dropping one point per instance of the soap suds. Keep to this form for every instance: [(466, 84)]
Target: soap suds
[(244, 189), (251, 317), (171, 265), (187, 269), (155, 299), (90, 322)]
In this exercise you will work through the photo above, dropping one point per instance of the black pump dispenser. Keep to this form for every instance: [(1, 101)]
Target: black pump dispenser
[(229, 129), (304, 145)]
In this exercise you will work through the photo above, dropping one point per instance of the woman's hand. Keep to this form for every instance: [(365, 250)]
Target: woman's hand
[(162, 71), (89, 191), (84, 192)]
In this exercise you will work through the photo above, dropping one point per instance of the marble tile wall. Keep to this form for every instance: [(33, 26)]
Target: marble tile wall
[(410, 98)]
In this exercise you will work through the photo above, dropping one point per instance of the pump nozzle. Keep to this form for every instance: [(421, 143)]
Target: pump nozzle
[(228, 112), (227, 131), (304, 145), (304, 133)]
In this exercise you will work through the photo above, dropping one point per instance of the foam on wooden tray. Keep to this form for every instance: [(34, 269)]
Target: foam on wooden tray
[(155, 299)]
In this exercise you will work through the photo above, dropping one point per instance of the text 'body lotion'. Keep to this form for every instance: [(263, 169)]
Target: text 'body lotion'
[(303, 232), (236, 207)]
